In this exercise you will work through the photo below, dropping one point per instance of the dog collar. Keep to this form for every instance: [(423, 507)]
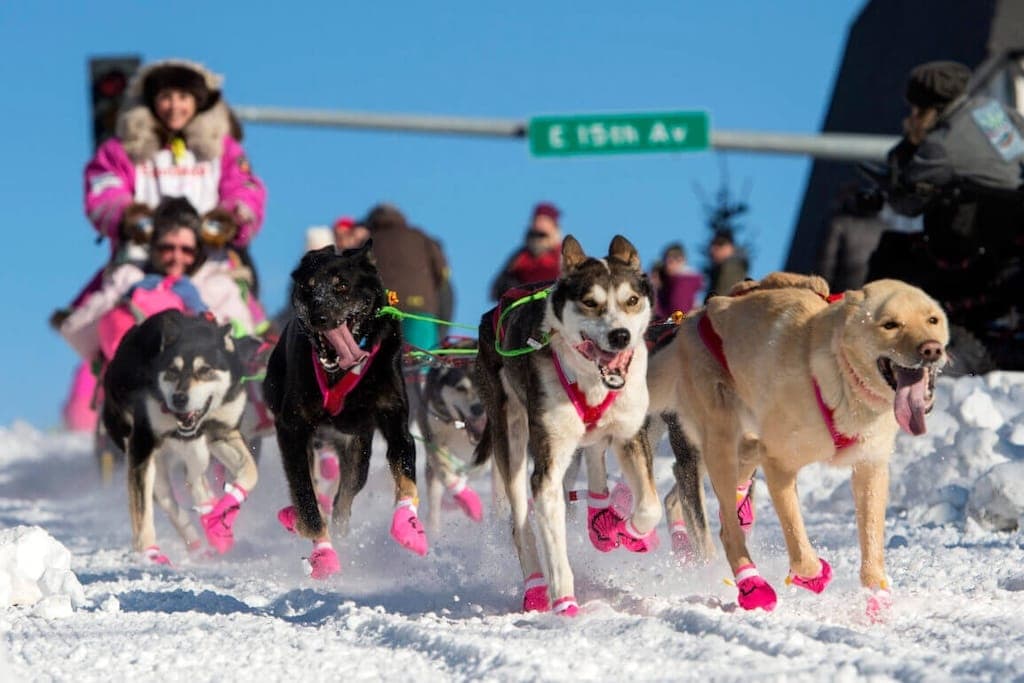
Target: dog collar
[(712, 341), (839, 440), (334, 395), (588, 414)]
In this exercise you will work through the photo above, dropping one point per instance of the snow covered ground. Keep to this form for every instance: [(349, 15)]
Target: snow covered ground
[(955, 555)]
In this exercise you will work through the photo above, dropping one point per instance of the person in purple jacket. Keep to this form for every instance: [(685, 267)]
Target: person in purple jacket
[(677, 283), (175, 137)]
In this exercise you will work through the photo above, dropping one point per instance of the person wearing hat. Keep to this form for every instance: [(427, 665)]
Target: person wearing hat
[(727, 263), (959, 166), (348, 234), (539, 259), (174, 138)]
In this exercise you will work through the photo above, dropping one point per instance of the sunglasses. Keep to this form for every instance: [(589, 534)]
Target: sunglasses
[(166, 248)]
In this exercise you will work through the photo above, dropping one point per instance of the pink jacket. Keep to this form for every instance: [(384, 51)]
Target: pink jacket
[(110, 186)]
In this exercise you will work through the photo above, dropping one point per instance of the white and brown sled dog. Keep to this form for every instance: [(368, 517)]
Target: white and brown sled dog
[(561, 369), (779, 375)]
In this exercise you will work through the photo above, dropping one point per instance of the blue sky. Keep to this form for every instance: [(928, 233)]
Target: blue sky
[(755, 66)]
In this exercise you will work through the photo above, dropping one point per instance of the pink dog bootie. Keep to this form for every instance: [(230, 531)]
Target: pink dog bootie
[(535, 599), (468, 500), (603, 522), (745, 506), (622, 499), (635, 542), (218, 521), (682, 545), (286, 516), (879, 605), (815, 584), (566, 606), (406, 527), (329, 468), (754, 592), (156, 556), (323, 561)]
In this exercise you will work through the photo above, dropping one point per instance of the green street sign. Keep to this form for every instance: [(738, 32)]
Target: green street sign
[(678, 131)]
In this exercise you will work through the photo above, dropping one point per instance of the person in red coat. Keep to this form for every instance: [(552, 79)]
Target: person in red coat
[(539, 258)]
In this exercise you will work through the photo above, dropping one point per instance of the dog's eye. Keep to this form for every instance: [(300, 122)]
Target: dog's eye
[(171, 375), (890, 325), (633, 300), (589, 303), (341, 286), (205, 372), (934, 320)]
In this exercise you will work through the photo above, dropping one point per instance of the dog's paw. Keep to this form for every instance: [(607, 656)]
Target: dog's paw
[(469, 502), (323, 561), (635, 542), (566, 606), (407, 530), (286, 516), (535, 599), (603, 522), (754, 591), (815, 584), (879, 605), (156, 556)]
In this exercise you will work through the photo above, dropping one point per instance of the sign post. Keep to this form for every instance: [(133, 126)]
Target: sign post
[(680, 131)]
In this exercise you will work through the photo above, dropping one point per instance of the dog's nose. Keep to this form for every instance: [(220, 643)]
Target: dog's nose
[(931, 351), (320, 320), (618, 338), (476, 410), (179, 400)]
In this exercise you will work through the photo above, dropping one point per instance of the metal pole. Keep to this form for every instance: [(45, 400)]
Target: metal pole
[(836, 146)]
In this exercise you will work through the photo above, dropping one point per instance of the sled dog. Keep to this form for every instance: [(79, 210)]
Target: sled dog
[(779, 375), (174, 388), (559, 369), (338, 365)]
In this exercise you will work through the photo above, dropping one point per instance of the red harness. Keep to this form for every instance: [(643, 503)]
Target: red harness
[(334, 396), (713, 343), (588, 414)]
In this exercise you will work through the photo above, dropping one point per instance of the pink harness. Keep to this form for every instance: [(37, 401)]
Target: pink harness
[(713, 343), (334, 396), (588, 414)]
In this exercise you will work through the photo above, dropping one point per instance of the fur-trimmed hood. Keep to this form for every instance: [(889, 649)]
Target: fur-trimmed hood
[(142, 134)]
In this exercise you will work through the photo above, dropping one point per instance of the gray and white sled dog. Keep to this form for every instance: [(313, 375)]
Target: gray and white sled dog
[(560, 369), (174, 389)]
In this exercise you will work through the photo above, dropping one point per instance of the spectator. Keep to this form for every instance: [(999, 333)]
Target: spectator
[(853, 233), (413, 266), (539, 259), (728, 263), (348, 234), (678, 283)]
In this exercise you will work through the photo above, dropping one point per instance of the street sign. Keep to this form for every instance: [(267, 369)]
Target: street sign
[(678, 131)]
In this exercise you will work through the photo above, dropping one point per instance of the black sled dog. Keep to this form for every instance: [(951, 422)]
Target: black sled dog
[(560, 370), (338, 366), (174, 388)]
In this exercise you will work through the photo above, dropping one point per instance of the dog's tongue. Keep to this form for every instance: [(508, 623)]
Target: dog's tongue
[(911, 399), (345, 346), (617, 361)]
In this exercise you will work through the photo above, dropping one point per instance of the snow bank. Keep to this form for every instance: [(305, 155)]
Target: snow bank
[(35, 570)]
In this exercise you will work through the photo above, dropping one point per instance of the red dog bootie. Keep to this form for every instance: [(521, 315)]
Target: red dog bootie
[(467, 499), (323, 561), (635, 542), (603, 522), (815, 584), (535, 599), (566, 606), (287, 516), (406, 527), (218, 521), (754, 592), (156, 556)]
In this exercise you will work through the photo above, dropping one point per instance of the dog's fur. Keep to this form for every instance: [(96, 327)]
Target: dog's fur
[(333, 291), (450, 417), (175, 387), (778, 336), (600, 307)]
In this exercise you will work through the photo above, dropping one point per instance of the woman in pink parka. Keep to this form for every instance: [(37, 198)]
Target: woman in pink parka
[(175, 137)]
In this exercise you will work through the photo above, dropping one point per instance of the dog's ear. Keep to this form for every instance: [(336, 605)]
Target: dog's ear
[(572, 254), (623, 250), (225, 332), (170, 328)]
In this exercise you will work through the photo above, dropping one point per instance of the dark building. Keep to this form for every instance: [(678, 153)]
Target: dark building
[(888, 38)]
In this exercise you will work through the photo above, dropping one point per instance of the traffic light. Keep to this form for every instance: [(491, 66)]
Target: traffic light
[(108, 78)]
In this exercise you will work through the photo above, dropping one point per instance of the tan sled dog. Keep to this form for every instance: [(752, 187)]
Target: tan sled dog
[(778, 376)]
